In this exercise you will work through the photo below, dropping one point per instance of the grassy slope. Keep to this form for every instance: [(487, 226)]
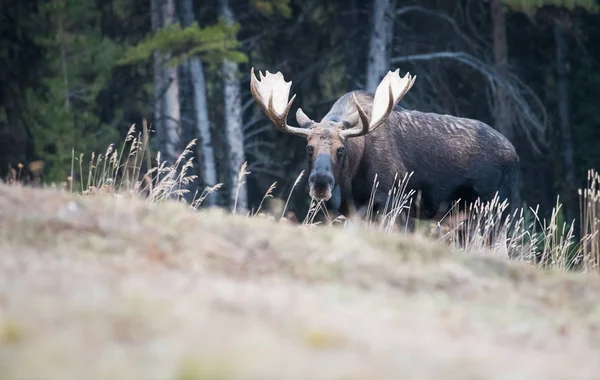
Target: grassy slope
[(96, 288)]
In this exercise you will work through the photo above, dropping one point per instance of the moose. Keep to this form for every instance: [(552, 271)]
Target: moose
[(367, 134)]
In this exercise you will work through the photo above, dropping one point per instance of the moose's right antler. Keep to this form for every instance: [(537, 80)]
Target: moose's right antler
[(271, 93)]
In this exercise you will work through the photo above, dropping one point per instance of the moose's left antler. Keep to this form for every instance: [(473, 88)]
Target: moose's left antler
[(389, 92)]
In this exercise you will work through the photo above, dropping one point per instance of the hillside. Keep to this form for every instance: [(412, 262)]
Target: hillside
[(101, 288)]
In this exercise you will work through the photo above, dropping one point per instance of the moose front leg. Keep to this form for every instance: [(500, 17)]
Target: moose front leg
[(349, 209), (335, 202), (335, 205), (353, 214), (341, 204)]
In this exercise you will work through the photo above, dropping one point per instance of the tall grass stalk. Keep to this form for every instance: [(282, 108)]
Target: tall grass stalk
[(547, 242), (589, 205), (241, 174), (291, 191)]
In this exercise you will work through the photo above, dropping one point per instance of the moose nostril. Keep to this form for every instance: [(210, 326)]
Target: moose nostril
[(321, 181)]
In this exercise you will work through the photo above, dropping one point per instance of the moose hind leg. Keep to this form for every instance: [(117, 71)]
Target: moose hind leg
[(460, 206), (491, 220), (509, 192)]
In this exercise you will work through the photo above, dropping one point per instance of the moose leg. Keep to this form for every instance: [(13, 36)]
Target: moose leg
[(335, 202), (357, 214), (344, 204), (335, 205), (349, 210), (509, 192)]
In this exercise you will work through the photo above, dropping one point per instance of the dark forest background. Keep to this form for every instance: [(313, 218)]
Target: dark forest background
[(76, 74)]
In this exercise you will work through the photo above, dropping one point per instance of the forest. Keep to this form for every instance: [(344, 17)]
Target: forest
[(155, 223), (78, 74)]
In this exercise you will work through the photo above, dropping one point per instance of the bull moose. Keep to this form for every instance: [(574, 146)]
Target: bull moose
[(366, 134)]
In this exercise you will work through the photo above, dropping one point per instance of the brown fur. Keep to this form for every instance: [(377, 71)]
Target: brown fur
[(326, 139)]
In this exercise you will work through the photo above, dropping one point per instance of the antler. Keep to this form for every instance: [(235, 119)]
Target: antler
[(271, 93), (389, 92)]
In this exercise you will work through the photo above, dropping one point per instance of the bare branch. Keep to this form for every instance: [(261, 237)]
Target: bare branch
[(259, 144), (450, 20), (476, 33), (257, 131), (259, 169), (514, 87), (251, 122), (248, 104)]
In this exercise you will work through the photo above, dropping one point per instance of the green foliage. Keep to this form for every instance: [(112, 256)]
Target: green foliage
[(122, 8), (211, 44), (270, 7), (58, 130), (531, 6), (79, 63)]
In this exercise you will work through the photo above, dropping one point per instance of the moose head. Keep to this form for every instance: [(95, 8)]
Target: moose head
[(326, 140)]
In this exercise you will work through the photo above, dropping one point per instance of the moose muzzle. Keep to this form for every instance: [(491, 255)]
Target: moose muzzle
[(321, 180)]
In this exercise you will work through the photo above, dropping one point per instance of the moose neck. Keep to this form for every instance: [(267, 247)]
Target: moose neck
[(355, 148)]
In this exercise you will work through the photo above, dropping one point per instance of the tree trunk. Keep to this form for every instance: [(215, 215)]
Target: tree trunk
[(562, 96), (63, 56), (172, 143), (233, 125), (156, 10), (205, 147), (380, 39), (349, 21), (502, 111)]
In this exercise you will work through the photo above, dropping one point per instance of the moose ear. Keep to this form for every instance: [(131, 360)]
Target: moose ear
[(350, 121), (303, 120)]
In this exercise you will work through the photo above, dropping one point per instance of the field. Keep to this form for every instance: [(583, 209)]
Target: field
[(109, 288)]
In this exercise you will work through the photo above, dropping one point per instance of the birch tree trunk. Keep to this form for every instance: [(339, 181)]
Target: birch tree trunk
[(233, 125), (382, 22), (502, 111), (156, 10), (565, 124), (172, 112), (205, 148)]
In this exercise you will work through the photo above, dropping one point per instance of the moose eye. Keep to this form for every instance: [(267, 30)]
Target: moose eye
[(309, 150), (341, 151)]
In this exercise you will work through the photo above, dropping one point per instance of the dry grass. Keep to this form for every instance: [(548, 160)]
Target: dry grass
[(546, 242), (543, 242), (125, 282), (108, 287)]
